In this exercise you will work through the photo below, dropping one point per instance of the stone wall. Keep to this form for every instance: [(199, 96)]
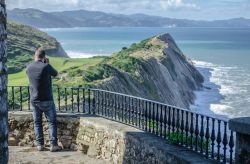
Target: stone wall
[(241, 127), (103, 139)]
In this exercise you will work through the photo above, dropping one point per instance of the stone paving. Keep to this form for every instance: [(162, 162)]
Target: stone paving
[(29, 155)]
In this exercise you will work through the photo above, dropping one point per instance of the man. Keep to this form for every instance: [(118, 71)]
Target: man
[(41, 98)]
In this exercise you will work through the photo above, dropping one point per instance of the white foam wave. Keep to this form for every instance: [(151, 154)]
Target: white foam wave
[(228, 87), (74, 54), (221, 109)]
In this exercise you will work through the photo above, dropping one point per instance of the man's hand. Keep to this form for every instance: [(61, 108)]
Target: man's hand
[(46, 60)]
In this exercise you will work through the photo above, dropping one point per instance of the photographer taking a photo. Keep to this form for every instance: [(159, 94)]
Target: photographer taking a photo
[(41, 98)]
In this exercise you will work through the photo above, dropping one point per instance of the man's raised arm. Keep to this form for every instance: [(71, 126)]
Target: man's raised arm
[(52, 71)]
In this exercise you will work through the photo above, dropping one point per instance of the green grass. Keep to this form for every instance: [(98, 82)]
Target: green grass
[(60, 64), (92, 71)]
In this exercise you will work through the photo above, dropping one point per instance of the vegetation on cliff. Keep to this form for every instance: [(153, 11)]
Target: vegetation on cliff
[(22, 42)]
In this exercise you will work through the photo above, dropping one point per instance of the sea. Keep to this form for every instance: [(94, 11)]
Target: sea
[(222, 55)]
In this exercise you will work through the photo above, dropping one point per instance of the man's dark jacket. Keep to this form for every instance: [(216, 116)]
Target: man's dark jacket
[(39, 74)]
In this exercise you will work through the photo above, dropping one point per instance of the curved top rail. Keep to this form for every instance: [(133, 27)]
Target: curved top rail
[(144, 99)]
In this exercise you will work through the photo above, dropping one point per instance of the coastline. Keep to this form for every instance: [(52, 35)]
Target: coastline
[(227, 95), (209, 94)]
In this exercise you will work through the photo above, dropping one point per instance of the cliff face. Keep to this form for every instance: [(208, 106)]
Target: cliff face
[(23, 41), (162, 73)]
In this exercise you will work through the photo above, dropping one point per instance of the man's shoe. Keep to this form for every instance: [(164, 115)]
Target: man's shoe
[(40, 148), (54, 148)]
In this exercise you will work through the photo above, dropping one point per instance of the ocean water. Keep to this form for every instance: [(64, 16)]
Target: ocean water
[(222, 55)]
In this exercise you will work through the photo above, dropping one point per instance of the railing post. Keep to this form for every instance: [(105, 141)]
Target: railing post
[(94, 102), (78, 100), (58, 98), (28, 89), (72, 100), (13, 97), (65, 99), (89, 101), (21, 98), (242, 128)]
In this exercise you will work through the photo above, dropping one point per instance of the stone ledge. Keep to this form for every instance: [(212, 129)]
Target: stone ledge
[(116, 142), (240, 125)]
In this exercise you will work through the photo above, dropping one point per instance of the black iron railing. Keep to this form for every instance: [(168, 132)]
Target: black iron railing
[(201, 133)]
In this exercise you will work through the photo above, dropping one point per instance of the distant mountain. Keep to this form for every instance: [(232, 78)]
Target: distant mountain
[(84, 18)]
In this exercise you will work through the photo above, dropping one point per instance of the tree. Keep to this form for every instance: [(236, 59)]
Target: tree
[(3, 86)]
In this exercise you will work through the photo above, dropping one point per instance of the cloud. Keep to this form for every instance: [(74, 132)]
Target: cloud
[(102, 5), (166, 4)]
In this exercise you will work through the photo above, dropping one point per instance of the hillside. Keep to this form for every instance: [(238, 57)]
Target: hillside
[(22, 42), (155, 69), (84, 18)]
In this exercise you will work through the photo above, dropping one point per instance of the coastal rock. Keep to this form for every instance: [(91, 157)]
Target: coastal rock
[(163, 74)]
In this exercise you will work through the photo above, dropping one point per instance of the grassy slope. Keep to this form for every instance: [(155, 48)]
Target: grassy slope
[(22, 42), (61, 64), (92, 71)]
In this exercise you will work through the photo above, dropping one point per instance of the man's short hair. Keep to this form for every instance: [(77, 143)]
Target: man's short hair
[(40, 53)]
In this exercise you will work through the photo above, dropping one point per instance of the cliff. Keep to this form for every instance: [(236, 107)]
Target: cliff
[(22, 42), (154, 69)]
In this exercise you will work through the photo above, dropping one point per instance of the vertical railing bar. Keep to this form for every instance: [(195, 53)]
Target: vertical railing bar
[(173, 122), (177, 125), (136, 112), (169, 123), (122, 108), (78, 100), (165, 122), (28, 89), (213, 138), (83, 100), (116, 106), (72, 100), (202, 134), (21, 98), (112, 101), (231, 146), (139, 113), (218, 140), (108, 104), (225, 142), (13, 97), (161, 120), (65, 99), (187, 128), (58, 98), (182, 127), (102, 102), (196, 131), (89, 101), (150, 117), (146, 115), (191, 130), (94, 102), (153, 118), (207, 135), (157, 119)]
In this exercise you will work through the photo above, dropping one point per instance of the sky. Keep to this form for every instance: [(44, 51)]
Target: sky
[(188, 9)]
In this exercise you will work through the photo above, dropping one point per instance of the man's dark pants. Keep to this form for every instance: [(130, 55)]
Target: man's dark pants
[(48, 108)]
